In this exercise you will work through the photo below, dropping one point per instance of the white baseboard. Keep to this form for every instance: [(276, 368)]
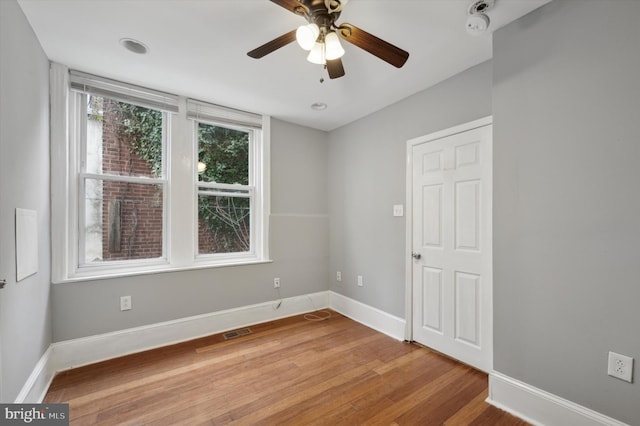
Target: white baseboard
[(539, 407), (88, 350), (367, 315), (527, 402), (39, 380)]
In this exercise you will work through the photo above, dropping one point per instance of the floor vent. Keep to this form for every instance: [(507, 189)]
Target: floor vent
[(236, 333)]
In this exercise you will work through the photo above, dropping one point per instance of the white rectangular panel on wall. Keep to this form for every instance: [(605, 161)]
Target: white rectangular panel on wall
[(467, 303), (26, 243), (467, 218), (432, 298), (432, 216)]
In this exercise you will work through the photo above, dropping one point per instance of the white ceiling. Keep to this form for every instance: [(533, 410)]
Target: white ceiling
[(198, 49)]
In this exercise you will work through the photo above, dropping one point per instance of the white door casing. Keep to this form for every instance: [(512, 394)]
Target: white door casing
[(449, 194)]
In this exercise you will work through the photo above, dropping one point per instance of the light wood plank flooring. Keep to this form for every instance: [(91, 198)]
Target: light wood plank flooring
[(286, 372)]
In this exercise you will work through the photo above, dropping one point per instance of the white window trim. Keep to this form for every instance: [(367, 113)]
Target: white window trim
[(180, 243), (254, 188)]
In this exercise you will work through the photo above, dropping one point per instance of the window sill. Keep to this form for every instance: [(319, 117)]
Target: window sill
[(105, 275)]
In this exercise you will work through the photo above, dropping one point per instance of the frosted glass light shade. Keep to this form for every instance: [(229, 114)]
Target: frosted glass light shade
[(306, 35), (333, 48), (316, 55)]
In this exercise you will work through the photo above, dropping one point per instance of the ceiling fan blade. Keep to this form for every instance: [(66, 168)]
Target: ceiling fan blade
[(374, 45), (335, 68), (294, 6), (274, 44)]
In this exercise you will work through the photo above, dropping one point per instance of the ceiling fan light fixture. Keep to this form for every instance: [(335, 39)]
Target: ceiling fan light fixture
[(333, 48), (317, 54), (306, 35)]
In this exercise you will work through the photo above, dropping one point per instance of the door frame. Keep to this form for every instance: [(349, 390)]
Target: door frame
[(488, 120)]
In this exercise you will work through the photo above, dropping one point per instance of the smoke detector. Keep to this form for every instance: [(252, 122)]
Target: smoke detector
[(477, 24), (477, 21)]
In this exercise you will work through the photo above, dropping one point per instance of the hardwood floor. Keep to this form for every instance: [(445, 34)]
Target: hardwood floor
[(287, 372)]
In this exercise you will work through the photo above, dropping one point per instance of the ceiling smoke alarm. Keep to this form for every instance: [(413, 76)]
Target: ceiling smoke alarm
[(477, 21), (477, 24)]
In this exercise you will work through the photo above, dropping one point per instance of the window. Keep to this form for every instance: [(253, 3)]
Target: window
[(225, 195), (125, 201), (228, 184), (122, 181)]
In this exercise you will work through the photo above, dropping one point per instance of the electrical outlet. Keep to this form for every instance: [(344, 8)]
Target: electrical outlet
[(125, 303), (276, 283), (620, 367), (360, 281), (338, 276)]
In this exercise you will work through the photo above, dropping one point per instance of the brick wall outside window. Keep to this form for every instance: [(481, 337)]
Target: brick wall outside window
[(132, 213)]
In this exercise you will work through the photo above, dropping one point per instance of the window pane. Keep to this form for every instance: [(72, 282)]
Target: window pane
[(224, 224), (123, 139), (122, 221), (223, 154)]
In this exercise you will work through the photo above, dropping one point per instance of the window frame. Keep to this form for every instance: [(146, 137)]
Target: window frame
[(77, 119), (180, 251), (252, 188)]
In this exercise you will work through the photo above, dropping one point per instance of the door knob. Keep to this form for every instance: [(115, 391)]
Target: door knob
[(3, 282), (416, 256)]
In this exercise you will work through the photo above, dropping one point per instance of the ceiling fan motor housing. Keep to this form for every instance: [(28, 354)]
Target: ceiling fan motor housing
[(320, 15)]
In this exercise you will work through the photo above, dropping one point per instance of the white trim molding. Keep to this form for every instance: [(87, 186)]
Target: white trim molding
[(539, 407), (38, 382), (74, 353), (520, 399), (371, 317)]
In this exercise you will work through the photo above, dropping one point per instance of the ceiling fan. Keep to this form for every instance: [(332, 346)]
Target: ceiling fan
[(320, 36)]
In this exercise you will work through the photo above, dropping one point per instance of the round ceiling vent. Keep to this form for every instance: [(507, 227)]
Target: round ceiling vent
[(480, 6), (134, 46)]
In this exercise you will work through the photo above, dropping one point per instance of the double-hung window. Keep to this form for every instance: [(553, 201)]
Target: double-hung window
[(228, 188), (121, 193)]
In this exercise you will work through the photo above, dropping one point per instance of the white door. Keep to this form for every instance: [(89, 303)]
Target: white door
[(4, 239), (451, 245)]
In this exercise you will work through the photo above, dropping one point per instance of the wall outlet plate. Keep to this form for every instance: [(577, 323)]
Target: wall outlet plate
[(360, 281), (276, 283), (338, 276), (125, 303), (620, 367)]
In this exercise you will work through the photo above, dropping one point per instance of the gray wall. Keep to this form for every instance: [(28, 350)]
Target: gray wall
[(367, 177), (298, 246), (566, 108), (25, 320)]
